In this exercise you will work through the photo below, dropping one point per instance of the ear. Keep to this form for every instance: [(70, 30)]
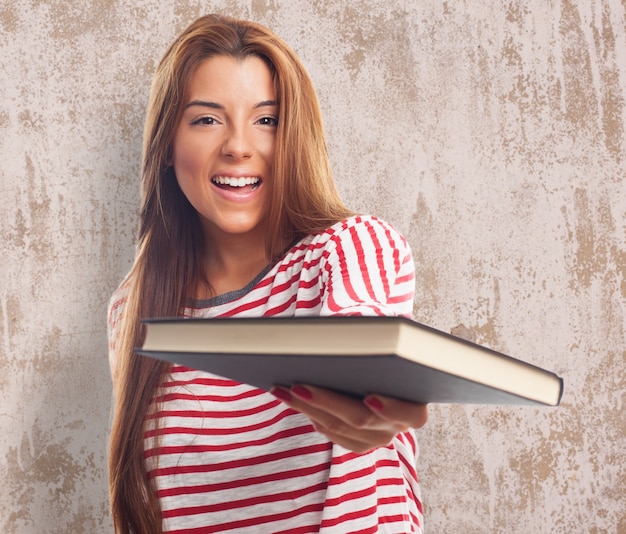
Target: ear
[(169, 172), (169, 157)]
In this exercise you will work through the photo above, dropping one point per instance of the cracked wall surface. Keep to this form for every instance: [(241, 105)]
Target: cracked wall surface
[(491, 133)]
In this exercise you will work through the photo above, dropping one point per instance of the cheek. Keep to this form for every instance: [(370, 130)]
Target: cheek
[(183, 159), (186, 170), (187, 152), (268, 150)]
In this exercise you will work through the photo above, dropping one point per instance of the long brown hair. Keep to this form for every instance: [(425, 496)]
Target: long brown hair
[(171, 248)]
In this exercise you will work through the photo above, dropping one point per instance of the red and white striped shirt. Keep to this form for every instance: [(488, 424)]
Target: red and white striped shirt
[(232, 458)]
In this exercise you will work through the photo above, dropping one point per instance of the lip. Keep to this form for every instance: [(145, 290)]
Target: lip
[(241, 173), (243, 194)]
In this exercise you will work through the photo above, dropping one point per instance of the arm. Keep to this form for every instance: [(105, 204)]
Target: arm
[(368, 270), (115, 312)]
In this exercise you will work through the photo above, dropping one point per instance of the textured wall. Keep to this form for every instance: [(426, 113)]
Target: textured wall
[(491, 133)]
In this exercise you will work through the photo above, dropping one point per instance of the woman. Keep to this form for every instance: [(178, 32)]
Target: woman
[(240, 216)]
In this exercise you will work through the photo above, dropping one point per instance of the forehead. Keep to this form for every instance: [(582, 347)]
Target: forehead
[(246, 78)]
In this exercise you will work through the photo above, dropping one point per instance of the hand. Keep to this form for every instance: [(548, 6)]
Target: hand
[(357, 425)]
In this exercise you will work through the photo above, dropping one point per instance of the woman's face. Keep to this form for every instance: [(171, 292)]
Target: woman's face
[(224, 145)]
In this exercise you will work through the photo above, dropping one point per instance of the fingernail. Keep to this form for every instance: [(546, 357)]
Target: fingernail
[(374, 403), (301, 392), (281, 394)]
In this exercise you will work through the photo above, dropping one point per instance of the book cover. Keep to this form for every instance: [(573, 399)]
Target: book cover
[(391, 356)]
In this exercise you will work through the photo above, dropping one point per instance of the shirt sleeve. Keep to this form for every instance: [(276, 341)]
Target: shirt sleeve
[(368, 269), (114, 316)]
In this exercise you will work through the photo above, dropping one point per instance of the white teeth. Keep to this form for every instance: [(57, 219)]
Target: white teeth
[(236, 182)]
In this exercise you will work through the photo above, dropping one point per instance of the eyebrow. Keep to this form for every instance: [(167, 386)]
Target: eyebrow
[(215, 105)]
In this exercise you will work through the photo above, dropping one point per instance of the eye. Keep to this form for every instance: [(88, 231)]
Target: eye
[(205, 121), (268, 121)]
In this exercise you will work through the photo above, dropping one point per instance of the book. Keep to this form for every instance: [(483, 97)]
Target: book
[(392, 356)]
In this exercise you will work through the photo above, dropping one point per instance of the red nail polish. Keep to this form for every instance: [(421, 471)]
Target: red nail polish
[(281, 394), (374, 403), (302, 393)]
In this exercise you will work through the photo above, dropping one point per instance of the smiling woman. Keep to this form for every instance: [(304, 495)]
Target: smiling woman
[(224, 153), (240, 217)]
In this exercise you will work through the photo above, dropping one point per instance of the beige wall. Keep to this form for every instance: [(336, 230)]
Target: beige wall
[(491, 133)]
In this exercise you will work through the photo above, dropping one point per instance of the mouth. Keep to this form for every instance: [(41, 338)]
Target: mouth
[(232, 182)]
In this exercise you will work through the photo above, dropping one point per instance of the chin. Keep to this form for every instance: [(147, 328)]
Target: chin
[(238, 228)]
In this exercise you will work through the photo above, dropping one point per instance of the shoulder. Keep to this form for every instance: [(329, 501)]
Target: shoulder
[(360, 225), (366, 233), (116, 304), (362, 238), (367, 268), (115, 314), (362, 221)]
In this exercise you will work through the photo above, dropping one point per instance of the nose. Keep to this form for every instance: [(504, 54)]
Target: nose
[(237, 144)]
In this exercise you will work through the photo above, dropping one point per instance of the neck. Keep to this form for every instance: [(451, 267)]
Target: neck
[(232, 262)]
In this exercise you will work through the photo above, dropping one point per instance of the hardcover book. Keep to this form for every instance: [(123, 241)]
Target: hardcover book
[(392, 356)]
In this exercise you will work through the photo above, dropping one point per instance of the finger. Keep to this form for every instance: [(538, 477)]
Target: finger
[(357, 439), (354, 443), (405, 413), (374, 432), (333, 416), (338, 431), (349, 410)]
